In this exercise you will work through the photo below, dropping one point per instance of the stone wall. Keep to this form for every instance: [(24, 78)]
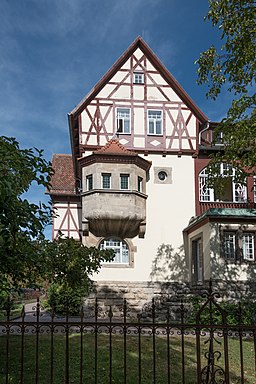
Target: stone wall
[(139, 295)]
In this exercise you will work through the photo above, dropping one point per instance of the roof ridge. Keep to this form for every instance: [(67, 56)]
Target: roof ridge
[(113, 146)]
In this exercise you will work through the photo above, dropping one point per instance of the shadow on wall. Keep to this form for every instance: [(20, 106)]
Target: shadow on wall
[(238, 279), (169, 265)]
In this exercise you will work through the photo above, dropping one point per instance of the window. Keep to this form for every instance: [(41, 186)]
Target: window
[(162, 175), (138, 78), (237, 245), (89, 182), (218, 139), (140, 180), (124, 181), (233, 192), (106, 180), (119, 247), (248, 246), (154, 122), (229, 245), (123, 120), (197, 260)]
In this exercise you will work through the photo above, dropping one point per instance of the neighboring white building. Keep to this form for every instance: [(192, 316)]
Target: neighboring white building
[(136, 177)]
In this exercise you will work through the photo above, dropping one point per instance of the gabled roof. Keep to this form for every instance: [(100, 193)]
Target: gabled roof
[(63, 180), (113, 147), (139, 43)]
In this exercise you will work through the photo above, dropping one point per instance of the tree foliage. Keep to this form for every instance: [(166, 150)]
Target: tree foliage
[(21, 223), (232, 69), (25, 256), (69, 266)]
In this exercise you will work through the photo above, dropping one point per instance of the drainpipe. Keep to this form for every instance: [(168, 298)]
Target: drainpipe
[(203, 130)]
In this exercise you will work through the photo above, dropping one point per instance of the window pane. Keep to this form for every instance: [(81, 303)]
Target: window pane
[(248, 246), (119, 247), (229, 245), (89, 182), (155, 122), (123, 120), (158, 127), (124, 181), (151, 127), (106, 180)]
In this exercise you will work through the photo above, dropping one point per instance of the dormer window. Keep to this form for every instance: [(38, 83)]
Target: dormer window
[(123, 120), (138, 78)]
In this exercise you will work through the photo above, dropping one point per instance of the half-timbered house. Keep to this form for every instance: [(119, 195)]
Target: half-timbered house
[(136, 177)]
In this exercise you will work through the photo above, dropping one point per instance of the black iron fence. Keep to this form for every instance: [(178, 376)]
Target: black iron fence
[(159, 345)]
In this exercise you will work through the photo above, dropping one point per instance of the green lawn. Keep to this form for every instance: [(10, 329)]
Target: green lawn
[(103, 361)]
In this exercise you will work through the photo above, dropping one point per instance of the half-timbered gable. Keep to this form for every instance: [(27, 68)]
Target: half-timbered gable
[(140, 102)]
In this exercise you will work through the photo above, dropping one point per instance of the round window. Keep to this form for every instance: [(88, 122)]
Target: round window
[(162, 175)]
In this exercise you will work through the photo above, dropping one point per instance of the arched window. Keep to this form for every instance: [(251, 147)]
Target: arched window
[(233, 192), (120, 248)]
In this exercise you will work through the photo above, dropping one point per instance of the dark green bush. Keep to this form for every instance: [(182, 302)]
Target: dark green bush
[(231, 309), (63, 299)]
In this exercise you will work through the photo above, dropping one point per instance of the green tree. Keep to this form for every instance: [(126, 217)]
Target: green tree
[(21, 223), (232, 69), (25, 256), (69, 267)]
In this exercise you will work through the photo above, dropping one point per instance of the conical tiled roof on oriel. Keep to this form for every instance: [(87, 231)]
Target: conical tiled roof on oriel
[(114, 147)]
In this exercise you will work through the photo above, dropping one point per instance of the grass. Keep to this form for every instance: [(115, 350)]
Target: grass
[(103, 361)]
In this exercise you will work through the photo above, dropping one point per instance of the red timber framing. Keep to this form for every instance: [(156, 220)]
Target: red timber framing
[(68, 211), (93, 122)]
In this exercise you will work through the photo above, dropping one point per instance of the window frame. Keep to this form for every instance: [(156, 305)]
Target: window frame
[(103, 176), (154, 120), (140, 184), (230, 256), (245, 256), (124, 178), (123, 248), (89, 182), (207, 194), (137, 76), (239, 246), (123, 120)]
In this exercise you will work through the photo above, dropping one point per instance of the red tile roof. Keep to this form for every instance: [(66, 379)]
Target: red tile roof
[(63, 180), (114, 147)]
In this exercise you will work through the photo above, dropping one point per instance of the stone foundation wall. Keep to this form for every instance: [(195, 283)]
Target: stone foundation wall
[(139, 295)]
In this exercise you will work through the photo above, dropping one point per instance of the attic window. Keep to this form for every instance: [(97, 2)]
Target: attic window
[(138, 78)]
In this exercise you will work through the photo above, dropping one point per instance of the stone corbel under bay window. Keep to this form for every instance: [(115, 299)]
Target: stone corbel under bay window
[(85, 228), (142, 230)]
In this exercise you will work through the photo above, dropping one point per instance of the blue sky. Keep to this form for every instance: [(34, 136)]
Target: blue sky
[(52, 52)]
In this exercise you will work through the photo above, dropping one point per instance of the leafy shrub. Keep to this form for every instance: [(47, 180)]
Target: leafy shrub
[(65, 300), (231, 309)]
